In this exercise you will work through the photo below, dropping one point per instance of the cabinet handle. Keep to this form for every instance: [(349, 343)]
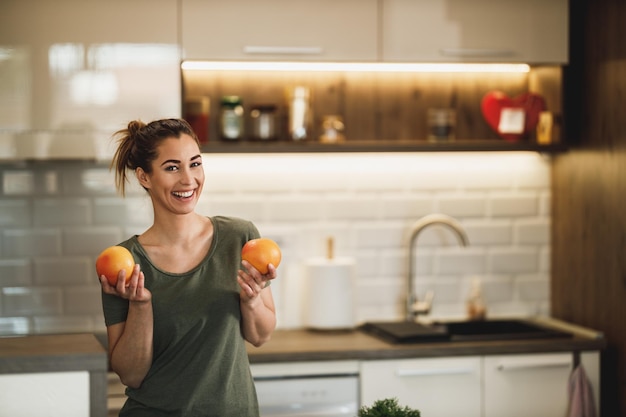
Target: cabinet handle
[(434, 372), (283, 50), (476, 53), (515, 366)]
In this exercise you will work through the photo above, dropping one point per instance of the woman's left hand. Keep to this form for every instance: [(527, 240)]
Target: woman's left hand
[(252, 282)]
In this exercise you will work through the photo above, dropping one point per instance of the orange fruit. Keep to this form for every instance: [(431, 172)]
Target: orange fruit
[(261, 252), (112, 260)]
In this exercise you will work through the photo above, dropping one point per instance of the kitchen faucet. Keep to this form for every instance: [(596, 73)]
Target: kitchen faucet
[(414, 307)]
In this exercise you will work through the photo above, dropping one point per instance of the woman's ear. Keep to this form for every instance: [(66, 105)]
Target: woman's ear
[(143, 178)]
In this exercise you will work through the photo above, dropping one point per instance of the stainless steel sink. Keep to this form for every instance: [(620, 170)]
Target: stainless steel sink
[(459, 331)]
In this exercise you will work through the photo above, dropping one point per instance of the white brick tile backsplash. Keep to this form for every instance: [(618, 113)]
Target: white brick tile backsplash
[(370, 264), (473, 205), (84, 299), (17, 301), (62, 212), (90, 241), (486, 178), (532, 231), (534, 287), (496, 289), (64, 270), (406, 207), (118, 211), (15, 272), (15, 213), (514, 260), (537, 177), (298, 208), (545, 254), (18, 182), (514, 205), (461, 261), (250, 208), (10, 326), (489, 232), (353, 208), (378, 235), (367, 202), (64, 324), (545, 204), (30, 243)]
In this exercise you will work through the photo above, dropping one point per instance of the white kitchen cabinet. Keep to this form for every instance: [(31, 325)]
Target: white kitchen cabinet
[(74, 72), (531, 31), (487, 386), (527, 385), (287, 30), (52, 394), (439, 387)]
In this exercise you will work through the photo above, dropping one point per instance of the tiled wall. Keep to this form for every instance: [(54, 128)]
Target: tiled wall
[(55, 217)]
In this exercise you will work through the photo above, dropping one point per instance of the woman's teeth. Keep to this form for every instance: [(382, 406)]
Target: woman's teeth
[(183, 195)]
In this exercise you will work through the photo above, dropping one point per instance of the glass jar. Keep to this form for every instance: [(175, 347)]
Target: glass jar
[(263, 122), (231, 118)]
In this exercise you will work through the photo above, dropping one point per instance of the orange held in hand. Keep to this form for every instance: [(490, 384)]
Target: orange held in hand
[(261, 252), (112, 260)]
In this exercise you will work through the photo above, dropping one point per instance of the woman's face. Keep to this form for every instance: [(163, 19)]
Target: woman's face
[(175, 183)]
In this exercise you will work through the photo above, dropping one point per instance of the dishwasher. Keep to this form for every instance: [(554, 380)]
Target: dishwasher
[(307, 389)]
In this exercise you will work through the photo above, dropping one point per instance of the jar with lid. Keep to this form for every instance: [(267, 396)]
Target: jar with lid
[(263, 122), (231, 118)]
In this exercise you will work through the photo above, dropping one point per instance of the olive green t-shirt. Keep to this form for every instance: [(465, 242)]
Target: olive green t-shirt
[(200, 366)]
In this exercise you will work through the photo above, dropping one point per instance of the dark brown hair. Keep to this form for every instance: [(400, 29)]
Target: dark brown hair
[(137, 146)]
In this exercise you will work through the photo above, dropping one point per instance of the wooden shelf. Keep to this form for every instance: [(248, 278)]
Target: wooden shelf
[(381, 146)]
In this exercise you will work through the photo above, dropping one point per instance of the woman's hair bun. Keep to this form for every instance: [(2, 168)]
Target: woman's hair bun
[(134, 127)]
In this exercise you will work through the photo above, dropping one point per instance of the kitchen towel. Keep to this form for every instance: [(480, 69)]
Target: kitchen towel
[(581, 401)]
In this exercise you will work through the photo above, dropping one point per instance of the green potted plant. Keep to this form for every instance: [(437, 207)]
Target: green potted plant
[(388, 407)]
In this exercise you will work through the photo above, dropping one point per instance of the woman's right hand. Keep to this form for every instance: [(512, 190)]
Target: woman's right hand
[(134, 290)]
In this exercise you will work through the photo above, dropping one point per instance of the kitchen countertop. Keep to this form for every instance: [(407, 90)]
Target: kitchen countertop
[(310, 345), (52, 353)]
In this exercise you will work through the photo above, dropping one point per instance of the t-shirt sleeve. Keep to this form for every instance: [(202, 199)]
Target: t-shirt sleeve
[(115, 309)]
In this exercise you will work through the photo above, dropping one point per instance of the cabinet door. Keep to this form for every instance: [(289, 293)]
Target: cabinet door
[(527, 385), (73, 72), (440, 387), (532, 31), (45, 394), (322, 30)]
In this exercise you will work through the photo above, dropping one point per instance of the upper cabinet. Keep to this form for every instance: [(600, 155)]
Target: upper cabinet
[(287, 30), (530, 31), (74, 72)]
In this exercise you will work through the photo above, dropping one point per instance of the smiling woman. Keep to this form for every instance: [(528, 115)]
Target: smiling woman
[(191, 303)]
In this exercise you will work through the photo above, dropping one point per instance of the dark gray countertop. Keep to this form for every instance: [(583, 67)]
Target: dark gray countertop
[(52, 353), (307, 345)]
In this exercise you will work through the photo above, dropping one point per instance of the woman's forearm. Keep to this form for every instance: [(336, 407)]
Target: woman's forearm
[(131, 357), (258, 318)]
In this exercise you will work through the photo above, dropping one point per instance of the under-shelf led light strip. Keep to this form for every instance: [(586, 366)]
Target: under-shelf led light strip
[(352, 66)]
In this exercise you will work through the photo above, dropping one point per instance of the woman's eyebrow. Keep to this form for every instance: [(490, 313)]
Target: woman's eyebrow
[(171, 161)]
